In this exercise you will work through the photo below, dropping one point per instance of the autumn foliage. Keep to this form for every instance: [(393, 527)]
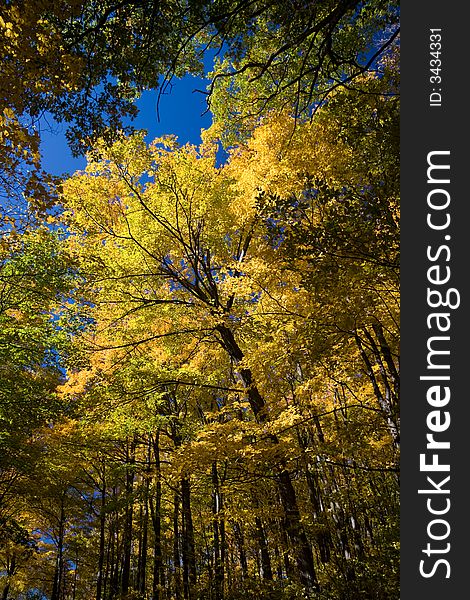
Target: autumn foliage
[(200, 359)]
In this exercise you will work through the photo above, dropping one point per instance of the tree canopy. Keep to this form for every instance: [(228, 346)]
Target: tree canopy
[(200, 359)]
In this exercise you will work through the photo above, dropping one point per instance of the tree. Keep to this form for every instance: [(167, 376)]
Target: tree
[(85, 62), (291, 56), (200, 361), (34, 275), (346, 235), (222, 316)]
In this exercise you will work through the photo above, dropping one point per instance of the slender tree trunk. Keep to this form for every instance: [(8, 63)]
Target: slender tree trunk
[(277, 555), (155, 508), (59, 566), (189, 564), (234, 351), (306, 438), (266, 568), (127, 541), (209, 555), (384, 400), (176, 548), (75, 578), (99, 581), (285, 543), (323, 538), (300, 543), (218, 552), (142, 565), (239, 539), (223, 544), (107, 569), (115, 551)]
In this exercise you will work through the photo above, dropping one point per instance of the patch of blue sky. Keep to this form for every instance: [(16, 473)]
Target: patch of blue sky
[(181, 111)]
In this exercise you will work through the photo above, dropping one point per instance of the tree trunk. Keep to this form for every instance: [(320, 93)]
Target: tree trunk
[(59, 566), (384, 400), (285, 543), (176, 548), (99, 581), (75, 578), (323, 537), (115, 559), (127, 541), (266, 568), (143, 540), (300, 545), (239, 539), (155, 508), (218, 552), (302, 550), (189, 564)]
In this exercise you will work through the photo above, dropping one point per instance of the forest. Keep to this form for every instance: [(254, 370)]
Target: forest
[(199, 343)]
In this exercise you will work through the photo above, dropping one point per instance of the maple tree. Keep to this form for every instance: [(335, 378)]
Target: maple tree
[(200, 361), (205, 335)]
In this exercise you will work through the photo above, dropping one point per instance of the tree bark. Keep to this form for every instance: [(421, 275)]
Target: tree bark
[(384, 400), (300, 543), (143, 540), (239, 539)]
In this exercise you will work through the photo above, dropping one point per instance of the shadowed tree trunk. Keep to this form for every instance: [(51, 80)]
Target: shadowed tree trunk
[(99, 581), (143, 540), (57, 585), (189, 563), (176, 548), (240, 541), (155, 508), (266, 568), (218, 541), (127, 541)]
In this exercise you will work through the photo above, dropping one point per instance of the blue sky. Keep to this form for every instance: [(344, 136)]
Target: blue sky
[(181, 113)]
